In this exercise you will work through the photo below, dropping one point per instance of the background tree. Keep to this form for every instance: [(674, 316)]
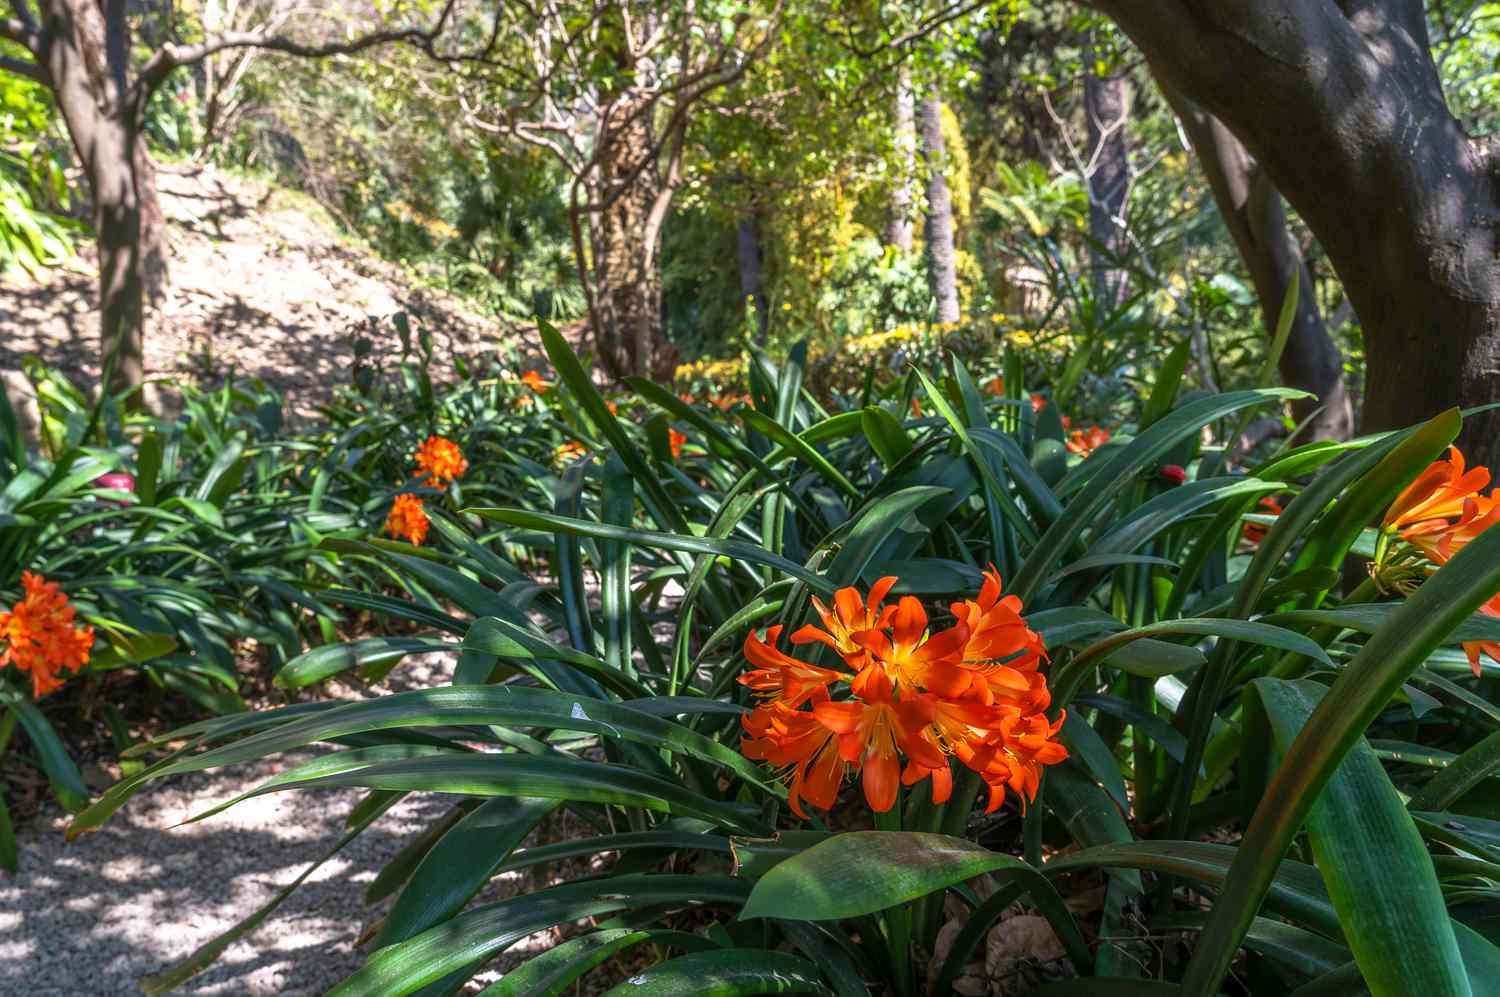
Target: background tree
[(81, 51), (1344, 108)]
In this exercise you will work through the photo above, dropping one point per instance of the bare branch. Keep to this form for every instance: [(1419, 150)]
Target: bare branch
[(171, 56)]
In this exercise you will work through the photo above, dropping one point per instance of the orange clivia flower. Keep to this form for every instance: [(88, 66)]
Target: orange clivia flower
[(676, 440), (1438, 492), (1086, 441), (995, 385), (780, 677), (915, 659), (1001, 648), (38, 635), (1037, 402), (850, 615), (797, 743), (408, 519), (916, 409), (873, 730), (441, 460), (534, 381), (1437, 515)]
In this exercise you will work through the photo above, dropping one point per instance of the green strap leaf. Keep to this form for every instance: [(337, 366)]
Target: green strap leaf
[(726, 973)]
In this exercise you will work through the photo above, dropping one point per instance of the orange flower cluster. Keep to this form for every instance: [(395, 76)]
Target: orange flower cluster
[(571, 450), (408, 519), (995, 386), (39, 636), (1441, 512), (1086, 441), (676, 440), (441, 460), (973, 691), (534, 381)]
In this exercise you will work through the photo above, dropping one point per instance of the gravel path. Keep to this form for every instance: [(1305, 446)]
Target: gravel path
[(93, 916)]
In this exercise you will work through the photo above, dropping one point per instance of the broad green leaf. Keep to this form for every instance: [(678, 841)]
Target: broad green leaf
[(1373, 861)]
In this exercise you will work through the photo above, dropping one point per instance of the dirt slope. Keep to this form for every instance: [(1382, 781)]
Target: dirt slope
[(262, 284)]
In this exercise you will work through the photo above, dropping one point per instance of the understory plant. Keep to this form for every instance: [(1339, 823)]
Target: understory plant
[(1098, 681)]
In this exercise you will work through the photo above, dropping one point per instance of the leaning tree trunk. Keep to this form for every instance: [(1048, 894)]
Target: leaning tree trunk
[(1342, 106), (625, 237), (942, 268), (898, 229), (1252, 211), (1106, 106), (86, 71)]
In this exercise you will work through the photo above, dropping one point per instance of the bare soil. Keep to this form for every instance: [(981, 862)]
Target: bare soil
[(262, 285)]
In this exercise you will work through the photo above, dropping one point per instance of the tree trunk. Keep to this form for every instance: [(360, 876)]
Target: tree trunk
[(898, 230), (1106, 105), (85, 63), (942, 272), (1342, 106), (626, 237), (1252, 211), (752, 284)]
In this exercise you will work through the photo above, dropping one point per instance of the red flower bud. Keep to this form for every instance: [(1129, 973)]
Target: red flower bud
[(118, 480), (1173, 473)]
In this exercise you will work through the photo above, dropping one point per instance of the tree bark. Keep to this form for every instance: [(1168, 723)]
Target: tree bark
[(626, 239), (898, 230), (1253, 212), (942, 272), (752, 281), (1342, 106), (1106, 106), (84, 59)]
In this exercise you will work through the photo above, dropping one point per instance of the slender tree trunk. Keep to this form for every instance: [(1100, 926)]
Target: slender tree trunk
[(1106, 105), (1252, 211), (898, 230), (942, 272), (85, 62), (1342, 106), (626, 241), (752, 284)]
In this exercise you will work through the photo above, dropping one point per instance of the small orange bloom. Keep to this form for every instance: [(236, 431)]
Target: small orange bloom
[(780, 677), (408, 519), (1001, 648), (613, 408), (1037, 402), (571, 450), (1440, 540), (39, 636), (441, 460), (1438, 492), (914, 659), (871, 730), (796, 742), (995, 386), (916, 409), (676, 440), (850, 615), (534, 381), (1086, 441), (1255, 532), (1013, 755)]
